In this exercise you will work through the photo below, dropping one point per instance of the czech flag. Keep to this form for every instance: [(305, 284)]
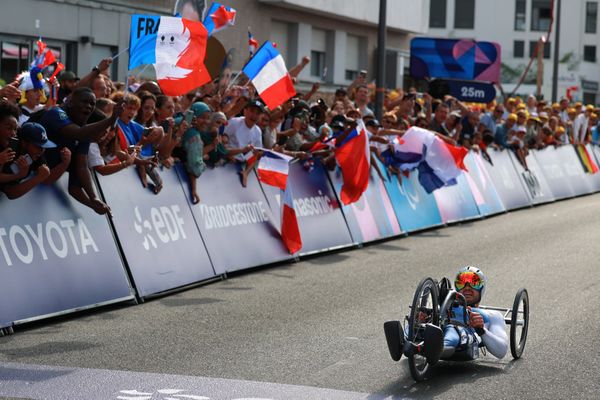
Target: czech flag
[(354, 158), (270, 77), (218, 18), (290, 231), (175, 46), (273, 169)]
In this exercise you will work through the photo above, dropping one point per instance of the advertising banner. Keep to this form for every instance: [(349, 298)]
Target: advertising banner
[(415, 208), (372, 217), (555, 174), (236, 222), (157, 233), (322, 224), (578, 178), (534, 179), (594, 179), (456, 202), (506, 180), (455, 59), (56, 255), (485, 194)]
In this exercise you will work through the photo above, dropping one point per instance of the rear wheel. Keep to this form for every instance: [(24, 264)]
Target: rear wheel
[(424, 310), (519, 322)]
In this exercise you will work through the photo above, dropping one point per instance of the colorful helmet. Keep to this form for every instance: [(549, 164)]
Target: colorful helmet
[(474, 277)]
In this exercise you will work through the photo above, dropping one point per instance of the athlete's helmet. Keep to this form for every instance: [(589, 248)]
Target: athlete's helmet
[(474, 277)]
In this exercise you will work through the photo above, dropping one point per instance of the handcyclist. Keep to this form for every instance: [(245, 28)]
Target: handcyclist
[(488, 325)]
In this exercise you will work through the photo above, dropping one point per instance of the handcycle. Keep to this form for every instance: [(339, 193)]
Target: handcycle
[(429, 316)]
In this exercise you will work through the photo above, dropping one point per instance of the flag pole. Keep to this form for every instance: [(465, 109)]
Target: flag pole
[(113, 58)]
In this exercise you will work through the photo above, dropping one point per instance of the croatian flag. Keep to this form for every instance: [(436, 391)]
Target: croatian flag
[(439, 163), (252, 44), (218, 18), (290, 231), (175, 46), (354, 158), (270, 77), (273, 169)]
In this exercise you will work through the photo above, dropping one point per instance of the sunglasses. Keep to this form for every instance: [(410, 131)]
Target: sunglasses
[(468, 277)]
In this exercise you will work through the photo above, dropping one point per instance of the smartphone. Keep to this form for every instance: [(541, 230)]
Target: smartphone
[(189, 116), (146, 132), (363, 73), (165, 125), (13, 143), (15, 168)]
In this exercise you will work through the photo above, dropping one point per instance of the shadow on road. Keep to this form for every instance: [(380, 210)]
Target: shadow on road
[(444, 376), (47, 349), (182, 302)]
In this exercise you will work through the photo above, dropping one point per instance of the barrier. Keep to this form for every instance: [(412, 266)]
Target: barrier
[(574, 171), (322, 224), (506, 180), (488, 200), (56, 256), (237, 224), (555, 174), (372, 217), (456, 203), (534, 180), (157, 233), (414, 207), (594, 179)]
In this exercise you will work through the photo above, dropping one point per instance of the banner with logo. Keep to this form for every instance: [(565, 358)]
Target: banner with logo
[(594, 179), (372, 217), (533, 179), (415, 208), (555, 173), (157, 233), (456, 202), (322, 224), (485, 194), (56, 255), (236, 222), (506, 180)]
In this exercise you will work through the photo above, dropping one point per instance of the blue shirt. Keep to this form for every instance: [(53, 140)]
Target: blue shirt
[(596, 134), (133, 133)]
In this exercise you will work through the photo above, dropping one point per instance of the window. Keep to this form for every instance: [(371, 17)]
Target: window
[(437, 14), (541, 15), (518, 49), (318, 60), (14, 60), (533, 49), (589, 53), (464, 14), (353, 57), (591, 16), (520, 11), (280, 35)]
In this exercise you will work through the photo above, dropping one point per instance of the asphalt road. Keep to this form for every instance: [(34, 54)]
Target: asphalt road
[(318, 323)]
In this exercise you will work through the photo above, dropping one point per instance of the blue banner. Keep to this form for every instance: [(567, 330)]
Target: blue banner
[(506, 180), (322, 224), (483, 189), (157, 233), (415, 208), (238, 227), (142, 40), (456, 202), (56, 255), (372, 217)]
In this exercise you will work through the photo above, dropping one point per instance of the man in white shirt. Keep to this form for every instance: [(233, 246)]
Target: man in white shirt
[(580, 125), (244, 136)]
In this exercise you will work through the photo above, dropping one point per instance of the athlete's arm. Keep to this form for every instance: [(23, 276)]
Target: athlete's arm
[(495, 338)]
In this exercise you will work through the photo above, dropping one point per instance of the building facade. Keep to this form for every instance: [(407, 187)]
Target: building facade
[(518, 25), (340, 36)]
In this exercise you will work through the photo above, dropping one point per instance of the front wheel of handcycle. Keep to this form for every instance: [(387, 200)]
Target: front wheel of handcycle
[(424, 310), (519, 322)]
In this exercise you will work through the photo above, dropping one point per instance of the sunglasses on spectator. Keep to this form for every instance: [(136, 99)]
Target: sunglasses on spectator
[(468, 277)]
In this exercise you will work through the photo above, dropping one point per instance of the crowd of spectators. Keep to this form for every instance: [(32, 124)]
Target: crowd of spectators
[(107, 127)]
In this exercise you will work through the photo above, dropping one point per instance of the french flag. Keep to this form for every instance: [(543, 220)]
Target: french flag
[(439, 163), (218, 18), (354, 158), (175, 46), (290, 231), (45, 57), (273, 169), (252, 44), (270, 77)]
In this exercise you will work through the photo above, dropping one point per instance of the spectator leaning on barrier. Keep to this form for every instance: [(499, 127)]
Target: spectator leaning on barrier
[(29, 155), (145, 115), (67, 127)]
